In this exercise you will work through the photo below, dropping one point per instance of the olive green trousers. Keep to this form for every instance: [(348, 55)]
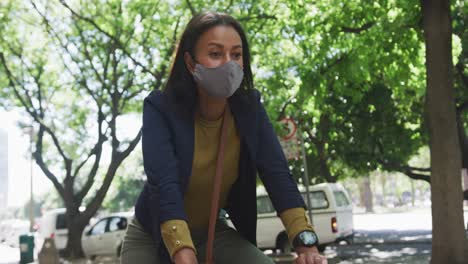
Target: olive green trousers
[(229, 247)]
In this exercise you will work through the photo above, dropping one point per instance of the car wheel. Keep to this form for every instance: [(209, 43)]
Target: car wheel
[(90, 259), (119, 250), (321, 248), (350, 240), (283, 243)]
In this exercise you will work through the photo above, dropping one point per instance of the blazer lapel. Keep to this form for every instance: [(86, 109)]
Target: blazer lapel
[(186, 152)]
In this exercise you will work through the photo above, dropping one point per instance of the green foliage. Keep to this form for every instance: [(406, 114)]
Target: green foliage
[(351, 73), (353, 76), (127, 185)]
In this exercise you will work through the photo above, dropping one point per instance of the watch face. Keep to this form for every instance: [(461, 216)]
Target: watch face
[(308, 238)]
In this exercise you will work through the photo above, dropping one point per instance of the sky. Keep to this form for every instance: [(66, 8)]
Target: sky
[(19, 165)]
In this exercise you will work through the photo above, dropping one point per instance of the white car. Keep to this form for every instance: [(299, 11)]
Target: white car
[(332, 217), (105, 237), (53, 224)]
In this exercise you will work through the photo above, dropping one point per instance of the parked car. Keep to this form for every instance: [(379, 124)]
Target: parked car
[(332, 217), (53, 224), (105, 237)]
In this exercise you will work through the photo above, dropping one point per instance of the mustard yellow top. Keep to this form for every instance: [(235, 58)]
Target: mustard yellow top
[(197, 199)]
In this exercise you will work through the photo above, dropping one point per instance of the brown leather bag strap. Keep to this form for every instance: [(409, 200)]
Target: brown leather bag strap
[(216, 188)]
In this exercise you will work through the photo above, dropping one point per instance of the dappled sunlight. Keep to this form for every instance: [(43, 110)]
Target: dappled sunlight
[(377, 254)]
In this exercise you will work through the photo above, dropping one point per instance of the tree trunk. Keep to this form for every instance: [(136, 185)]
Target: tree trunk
[(383, 180), (76, 223), (448, 235), (366, 194), (465, 185), (74, 248), (463, 137), (412, 193)]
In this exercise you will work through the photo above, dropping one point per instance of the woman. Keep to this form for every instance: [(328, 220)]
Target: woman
[(210, 86)]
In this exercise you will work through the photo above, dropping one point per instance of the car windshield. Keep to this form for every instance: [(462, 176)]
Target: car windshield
[(318, 200), (99, 228), (341, 199), (115, 224)]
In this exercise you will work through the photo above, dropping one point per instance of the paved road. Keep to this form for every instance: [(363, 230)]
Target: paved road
[(380, 247), (380, 238), (370, 247)]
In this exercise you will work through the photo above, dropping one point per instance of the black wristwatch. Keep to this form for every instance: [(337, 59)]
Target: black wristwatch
[(305, 239)]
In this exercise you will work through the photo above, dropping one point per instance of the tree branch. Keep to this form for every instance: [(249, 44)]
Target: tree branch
[(190, 6), (407, 170), (116, 160), (283, 108), (33, 113), (88, 55), (64, 46), (322, 155), (462, 107), (358, 30), (40, 162), (131, 145), (168, 54), (156, 75), (260, 16), (460, 69), (417, 176), (332, 64), (97, 151)]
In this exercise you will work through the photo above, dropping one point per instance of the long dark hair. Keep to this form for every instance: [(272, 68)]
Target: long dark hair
[(180, 86)]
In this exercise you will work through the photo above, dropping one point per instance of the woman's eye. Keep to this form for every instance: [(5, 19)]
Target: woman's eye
[(237, 56), (215, 54)]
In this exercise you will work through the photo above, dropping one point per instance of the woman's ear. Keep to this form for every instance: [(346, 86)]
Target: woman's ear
[(189, 63)]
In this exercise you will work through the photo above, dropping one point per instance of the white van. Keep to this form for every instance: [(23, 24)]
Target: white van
[(53, 224), (332, 217)]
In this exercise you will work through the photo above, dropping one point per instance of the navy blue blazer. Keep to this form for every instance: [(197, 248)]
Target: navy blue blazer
[(168, 146)]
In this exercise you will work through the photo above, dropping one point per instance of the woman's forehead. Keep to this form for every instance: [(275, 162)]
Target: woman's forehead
[(220, 36)]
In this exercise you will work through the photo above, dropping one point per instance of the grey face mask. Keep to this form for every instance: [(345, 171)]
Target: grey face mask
[(222, 81)]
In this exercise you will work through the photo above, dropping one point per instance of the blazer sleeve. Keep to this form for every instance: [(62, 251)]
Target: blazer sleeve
[(273, 167), (161, 165)]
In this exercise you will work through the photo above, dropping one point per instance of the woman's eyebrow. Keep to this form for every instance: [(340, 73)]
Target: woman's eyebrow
[(216, 44), (222, 46)]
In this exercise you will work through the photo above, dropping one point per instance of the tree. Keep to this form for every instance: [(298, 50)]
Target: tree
[(365, 193), (448, 240), (352, 73), (460, 20), (75, 85), (76, 68), (127, 185), (352, 78)]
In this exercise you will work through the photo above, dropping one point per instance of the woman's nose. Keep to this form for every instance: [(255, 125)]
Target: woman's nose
[(227, 58)]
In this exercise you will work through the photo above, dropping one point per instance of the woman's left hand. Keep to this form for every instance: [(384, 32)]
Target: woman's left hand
[(306, 255)]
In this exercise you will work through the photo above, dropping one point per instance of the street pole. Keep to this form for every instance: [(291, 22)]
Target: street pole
[(305, 176), (31, 202)]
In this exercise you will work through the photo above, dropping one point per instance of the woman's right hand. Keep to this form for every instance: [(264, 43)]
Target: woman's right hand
[(185, 256)]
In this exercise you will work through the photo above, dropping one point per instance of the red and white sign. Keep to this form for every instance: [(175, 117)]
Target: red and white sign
[(289, 141)]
